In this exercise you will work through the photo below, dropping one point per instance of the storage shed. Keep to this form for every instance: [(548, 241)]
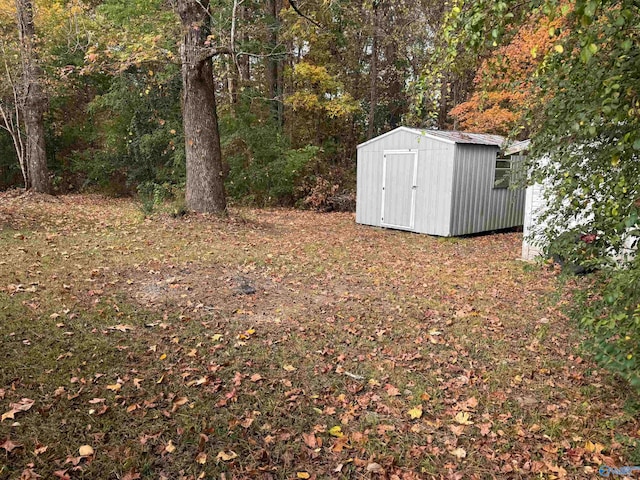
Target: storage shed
[(436, 182)]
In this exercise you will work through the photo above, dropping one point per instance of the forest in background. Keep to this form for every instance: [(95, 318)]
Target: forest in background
[(294, 93)]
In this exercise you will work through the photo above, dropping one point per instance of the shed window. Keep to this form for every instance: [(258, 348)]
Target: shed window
[(503, 173)]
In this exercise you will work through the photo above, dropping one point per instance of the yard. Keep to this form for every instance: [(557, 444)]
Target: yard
[(281, 344)]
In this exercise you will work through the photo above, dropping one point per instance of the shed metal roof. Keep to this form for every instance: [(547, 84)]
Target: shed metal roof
[(466, 137), (448, 137), (517, 147)]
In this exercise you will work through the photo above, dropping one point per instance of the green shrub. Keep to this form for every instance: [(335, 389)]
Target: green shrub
[(152, 196), (263, 169), (610, 311), (141, 138)]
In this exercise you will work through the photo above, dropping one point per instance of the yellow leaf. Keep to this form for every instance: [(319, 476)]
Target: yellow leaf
[(226, 456), (463, 418), (559, 48), (416, 412), (303, 475), (289, 368), (336, 431), (115, 387), (170, 448), (201, 458), (163, 356), (85, 450), (459, 453)]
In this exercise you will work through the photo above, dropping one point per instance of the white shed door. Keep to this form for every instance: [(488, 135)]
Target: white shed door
[(399, 174)]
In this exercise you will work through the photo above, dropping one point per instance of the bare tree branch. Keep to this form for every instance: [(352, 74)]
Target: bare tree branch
[(297, 10)]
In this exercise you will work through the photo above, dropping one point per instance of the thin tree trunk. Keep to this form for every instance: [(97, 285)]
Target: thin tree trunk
[(373, 89), (33, 102), (244, 66), (274, 64), (205, 178)]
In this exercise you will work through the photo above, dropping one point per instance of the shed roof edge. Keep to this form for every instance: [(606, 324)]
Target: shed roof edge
[(415, 131)]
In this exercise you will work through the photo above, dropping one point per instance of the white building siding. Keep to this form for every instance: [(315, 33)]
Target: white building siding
[(534, 203)]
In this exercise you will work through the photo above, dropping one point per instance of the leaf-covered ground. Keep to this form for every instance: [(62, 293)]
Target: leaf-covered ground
[(281, 344)]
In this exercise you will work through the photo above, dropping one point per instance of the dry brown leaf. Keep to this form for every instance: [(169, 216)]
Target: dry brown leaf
[(310, 440), (459, 453), (226, 456), (9, 446), (22, 406)]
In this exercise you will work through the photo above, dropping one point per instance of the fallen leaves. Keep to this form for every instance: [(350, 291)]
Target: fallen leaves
[(183, 378), (226, 456), (22, 406), (463, 418), (459, 453), (391, 390), (9, 446), (415, 412), (86, 450)]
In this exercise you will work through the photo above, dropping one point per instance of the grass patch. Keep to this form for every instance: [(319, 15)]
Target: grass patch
[(138, 337)]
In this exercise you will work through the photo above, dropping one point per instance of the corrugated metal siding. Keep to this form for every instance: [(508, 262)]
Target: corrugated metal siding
[(476, 205), (434, 187), (369, 187)]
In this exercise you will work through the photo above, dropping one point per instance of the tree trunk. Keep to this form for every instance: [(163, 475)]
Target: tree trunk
[(244, 66), (205, 178), (274, 64), (33, 102), (373, 90)]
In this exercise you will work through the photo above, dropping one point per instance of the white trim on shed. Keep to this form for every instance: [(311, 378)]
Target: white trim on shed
[(447, 189)]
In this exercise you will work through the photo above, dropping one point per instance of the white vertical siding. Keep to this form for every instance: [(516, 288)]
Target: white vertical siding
[(476, 205), (533, 206), (433, 186), (369, 186)]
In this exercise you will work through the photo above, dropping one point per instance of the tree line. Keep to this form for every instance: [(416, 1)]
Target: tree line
[(270, 98)]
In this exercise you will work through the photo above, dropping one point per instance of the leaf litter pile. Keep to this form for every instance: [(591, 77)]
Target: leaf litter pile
[(280, 344)]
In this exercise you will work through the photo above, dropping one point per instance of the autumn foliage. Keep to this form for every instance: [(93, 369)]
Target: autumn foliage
[(504, 87)]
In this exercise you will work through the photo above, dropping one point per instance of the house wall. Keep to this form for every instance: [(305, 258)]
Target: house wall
[(434, 180), (476, 205), (533, 205)]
